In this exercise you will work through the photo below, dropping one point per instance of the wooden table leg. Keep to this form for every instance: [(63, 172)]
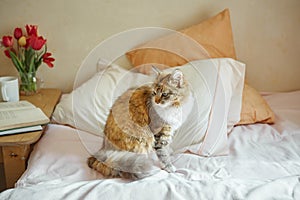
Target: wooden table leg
[(14, 160)]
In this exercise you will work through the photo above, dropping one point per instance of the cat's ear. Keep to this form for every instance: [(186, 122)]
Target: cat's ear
[(176, 78), (156, 70)]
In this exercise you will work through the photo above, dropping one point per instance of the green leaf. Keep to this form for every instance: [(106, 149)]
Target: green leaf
[(31, 65), (16, 61), (30, 54), (26, 60), (40, 55)]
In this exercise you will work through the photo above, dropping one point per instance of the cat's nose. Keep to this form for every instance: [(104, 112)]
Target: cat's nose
[(157, 100)]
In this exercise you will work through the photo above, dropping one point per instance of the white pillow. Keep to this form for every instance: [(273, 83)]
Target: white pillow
[(205, 132), (87, 107), (216, 87)]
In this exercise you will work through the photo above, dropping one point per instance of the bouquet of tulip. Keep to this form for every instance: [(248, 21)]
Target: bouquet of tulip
[(29, 52)]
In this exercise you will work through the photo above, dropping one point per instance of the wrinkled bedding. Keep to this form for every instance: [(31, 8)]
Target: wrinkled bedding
[(264, 163)]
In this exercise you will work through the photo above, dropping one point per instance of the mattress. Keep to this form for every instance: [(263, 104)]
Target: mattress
[(263, 163)]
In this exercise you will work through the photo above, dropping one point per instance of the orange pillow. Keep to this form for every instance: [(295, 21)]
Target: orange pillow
[(254, 108), (211, 38)]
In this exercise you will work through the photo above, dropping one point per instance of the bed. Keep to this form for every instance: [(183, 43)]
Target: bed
[(263, 163), (231, 153)]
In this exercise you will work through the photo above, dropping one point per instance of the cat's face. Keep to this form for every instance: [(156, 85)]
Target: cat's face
[(168, 89)]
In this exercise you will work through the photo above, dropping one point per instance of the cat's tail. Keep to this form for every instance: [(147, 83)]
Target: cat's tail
[(129, 165)]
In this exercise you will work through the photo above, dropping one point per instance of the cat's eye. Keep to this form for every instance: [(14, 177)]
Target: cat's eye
[(153, 93), (164, 94)]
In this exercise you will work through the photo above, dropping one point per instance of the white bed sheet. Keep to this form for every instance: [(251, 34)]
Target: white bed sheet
[(264, 163)]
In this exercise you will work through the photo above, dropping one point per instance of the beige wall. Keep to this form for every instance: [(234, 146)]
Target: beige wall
[(266, 32)]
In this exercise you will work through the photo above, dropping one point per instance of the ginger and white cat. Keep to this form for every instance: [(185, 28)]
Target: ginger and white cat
[(141, 121)]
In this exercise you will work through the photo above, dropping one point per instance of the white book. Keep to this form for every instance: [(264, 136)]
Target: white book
[(20, 114), (21, 130)]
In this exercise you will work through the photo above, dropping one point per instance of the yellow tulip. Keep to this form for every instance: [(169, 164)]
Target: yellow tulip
[(22, 41)]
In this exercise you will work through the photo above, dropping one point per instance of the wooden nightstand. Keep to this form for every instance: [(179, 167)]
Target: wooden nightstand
[(15, 149)]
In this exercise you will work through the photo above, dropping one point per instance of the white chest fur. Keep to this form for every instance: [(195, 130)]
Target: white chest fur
[(173, 116)]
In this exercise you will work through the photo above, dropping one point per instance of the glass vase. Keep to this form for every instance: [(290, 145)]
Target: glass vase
[(29, 83)]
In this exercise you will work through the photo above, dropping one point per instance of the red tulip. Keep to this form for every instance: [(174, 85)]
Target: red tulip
[(7, 41), (6, 52), (31, 30), (35, 42), (18, 33), (48, 60)]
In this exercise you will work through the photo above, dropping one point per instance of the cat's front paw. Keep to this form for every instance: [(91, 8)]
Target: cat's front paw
[(170, 168)]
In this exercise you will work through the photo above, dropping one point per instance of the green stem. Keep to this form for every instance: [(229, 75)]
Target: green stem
[(16, 61)]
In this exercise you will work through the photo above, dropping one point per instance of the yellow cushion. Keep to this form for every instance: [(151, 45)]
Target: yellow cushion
[(211, 38)]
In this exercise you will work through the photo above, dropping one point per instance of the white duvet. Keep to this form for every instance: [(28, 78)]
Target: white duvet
[(264, 163)]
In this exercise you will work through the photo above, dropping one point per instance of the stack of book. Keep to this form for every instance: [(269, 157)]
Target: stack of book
[(20, 117)]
